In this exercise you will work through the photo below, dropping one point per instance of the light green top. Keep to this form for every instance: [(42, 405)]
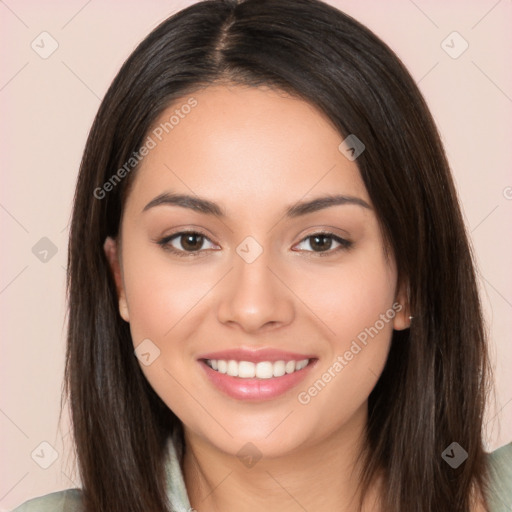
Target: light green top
[(70, 499)]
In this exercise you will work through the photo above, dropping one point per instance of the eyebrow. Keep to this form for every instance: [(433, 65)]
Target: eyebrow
[(208, 207)]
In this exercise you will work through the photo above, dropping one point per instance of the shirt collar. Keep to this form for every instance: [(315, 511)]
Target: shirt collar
[(176, 490)]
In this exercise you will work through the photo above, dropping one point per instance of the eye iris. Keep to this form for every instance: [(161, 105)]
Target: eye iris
[(189, 241), (322, 246)]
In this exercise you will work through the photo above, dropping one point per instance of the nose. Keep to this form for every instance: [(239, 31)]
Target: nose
[(255, 296)]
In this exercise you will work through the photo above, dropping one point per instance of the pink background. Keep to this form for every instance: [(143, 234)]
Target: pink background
[(47, 109)]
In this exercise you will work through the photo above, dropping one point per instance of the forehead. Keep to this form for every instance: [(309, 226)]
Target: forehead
[(244, 146)]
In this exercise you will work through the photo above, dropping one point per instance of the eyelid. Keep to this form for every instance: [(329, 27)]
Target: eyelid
[(344, 243), (164, 242)]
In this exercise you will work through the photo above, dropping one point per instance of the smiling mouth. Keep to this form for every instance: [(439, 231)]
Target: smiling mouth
[(260, 370)]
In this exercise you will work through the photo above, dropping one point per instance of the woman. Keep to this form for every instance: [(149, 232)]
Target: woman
[(272, 298)]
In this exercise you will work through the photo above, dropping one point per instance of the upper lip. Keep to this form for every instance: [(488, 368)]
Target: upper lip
[(256, 356)]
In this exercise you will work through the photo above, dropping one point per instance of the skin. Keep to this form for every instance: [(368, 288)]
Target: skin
[(255, 151)]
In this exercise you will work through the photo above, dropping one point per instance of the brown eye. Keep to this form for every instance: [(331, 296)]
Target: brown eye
[(322, 243), (191, 241), (186, 243)]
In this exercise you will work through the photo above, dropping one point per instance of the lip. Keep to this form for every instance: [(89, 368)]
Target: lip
[(256, 356), (256, 389)]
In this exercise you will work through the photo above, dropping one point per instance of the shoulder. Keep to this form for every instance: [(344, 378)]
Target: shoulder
[(500, 478), (69, 500)]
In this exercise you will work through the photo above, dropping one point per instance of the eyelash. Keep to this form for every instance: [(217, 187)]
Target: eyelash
[(165, 244)]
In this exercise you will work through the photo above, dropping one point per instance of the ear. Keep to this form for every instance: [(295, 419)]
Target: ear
[(113, 256), (402, 319)]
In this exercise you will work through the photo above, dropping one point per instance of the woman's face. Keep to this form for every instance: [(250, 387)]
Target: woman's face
[(256, 289)]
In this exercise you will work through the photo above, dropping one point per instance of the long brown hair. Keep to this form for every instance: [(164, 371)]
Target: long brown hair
[(432, 391)]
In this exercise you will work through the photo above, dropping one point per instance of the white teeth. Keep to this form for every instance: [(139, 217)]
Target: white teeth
[(264, 370), (279, 369), (246, 370), (261, 370), (290, 367), (222, 366), (301, 364), (232, 368)]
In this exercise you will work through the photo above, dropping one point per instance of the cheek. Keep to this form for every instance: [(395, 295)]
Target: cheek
[(349, 297), (357, 303), (160, 296), (166, 302), (161, 302)]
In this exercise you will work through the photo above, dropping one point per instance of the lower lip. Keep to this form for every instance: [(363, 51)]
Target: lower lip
[(256, 389)]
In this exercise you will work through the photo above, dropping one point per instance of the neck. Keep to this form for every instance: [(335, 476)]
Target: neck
[(318, 476)]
